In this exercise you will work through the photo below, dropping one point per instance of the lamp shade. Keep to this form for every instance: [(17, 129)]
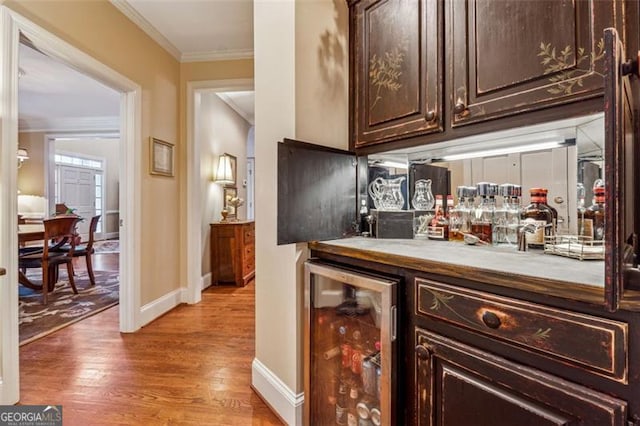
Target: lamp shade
[(223, 173), (23, 154)]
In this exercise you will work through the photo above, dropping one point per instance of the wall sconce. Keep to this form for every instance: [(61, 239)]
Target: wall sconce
[(22, 156), (224, 174)]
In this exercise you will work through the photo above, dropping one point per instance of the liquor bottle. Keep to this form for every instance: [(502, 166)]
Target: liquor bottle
[(352, 405), (513, 214), (458, 216), (346, 349), (439, 228), (483, 217), (594, 215), (364, 223), (341, 404), (507, 217), (357, 354), (554, 213), (538, 214)]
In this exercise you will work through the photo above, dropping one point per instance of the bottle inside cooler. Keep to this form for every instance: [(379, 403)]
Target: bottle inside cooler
[(346, 355)]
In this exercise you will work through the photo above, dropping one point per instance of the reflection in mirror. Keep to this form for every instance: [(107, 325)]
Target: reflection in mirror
[(556, 156), (387, 182)]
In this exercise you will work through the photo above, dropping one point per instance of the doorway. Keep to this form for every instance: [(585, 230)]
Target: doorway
[(195, 178), (13, 26)]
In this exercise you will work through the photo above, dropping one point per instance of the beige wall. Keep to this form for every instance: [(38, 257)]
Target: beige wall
[(219, 130), (100, 30), (301, 83), (31, 175)]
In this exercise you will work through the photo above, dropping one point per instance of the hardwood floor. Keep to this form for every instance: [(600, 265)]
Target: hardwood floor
[(191, 366)]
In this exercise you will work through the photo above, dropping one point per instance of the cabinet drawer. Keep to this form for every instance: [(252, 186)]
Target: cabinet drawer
[(248, 235), (591, 343), (248, 267)]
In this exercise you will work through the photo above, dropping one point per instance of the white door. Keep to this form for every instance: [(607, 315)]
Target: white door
[(78, 191)]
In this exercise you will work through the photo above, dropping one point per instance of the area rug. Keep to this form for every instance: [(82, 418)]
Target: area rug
[(64, 308), (107, 246)]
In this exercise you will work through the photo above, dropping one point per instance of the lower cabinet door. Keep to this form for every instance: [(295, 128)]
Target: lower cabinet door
[(460, 385)]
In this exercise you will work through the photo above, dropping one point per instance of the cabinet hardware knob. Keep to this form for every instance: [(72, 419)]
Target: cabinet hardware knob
[(460, 108), (422, 352), (431, 116), (491, 320)]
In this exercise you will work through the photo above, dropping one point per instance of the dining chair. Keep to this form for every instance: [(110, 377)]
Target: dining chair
[(85, 249), (48, 260)]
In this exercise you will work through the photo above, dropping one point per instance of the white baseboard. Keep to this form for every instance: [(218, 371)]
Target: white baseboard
[(160, 306), (205, 282), (283, 400), (111, 235)]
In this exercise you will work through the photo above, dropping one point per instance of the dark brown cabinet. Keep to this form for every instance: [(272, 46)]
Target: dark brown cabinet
[(515, 56), (396, 66), (423, 71), (232, 252), (459, 385)]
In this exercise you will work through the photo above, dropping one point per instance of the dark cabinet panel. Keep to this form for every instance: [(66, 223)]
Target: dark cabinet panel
[(593, 344), (459, 384), (396, 78), (316, 192), (516, 56), (621, 176)]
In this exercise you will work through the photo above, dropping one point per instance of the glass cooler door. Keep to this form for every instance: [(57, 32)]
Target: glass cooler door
[(349, 333)]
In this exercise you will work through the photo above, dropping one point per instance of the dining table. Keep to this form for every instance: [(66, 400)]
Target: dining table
[(29, 232)]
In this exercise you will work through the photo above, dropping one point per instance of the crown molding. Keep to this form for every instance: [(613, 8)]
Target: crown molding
[(131, 13), (229, 101), (69, 124), (225, 55)]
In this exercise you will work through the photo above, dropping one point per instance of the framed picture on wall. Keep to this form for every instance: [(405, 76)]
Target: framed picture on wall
[(233, 161), (161, 157), (229, 193)]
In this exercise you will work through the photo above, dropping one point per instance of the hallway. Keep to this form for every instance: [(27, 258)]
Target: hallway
[(191, 366)]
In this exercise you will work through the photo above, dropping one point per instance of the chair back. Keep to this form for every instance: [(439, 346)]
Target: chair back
[(57, 228), (92, 230)]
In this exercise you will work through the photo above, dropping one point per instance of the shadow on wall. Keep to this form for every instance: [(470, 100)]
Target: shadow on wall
[(332, 52)]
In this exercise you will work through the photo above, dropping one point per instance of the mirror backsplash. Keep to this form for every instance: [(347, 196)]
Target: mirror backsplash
[(557, 156)]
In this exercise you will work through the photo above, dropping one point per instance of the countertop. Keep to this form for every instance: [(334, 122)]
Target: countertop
[(532, 270)]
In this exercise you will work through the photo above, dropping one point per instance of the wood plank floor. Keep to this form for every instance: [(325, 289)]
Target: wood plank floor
[(192, 366)]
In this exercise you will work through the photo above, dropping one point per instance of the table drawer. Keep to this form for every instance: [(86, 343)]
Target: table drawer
[(595, 344)]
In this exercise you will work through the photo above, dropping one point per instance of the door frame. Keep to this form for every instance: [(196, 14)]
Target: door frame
[(193, 233), (11, 24)]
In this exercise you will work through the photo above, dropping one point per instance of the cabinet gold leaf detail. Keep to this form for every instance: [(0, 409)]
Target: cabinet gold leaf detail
[(541, 334), (557, 62), (385, 71), (440, 300)]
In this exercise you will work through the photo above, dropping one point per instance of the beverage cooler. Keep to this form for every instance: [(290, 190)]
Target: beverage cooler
[(350, 329)]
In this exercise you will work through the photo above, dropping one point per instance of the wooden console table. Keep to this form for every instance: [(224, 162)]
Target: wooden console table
[(232, 252)]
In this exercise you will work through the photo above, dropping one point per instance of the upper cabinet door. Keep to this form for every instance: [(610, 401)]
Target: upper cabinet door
[(316, 192), (621, 162), (396, 74), (514, 56)]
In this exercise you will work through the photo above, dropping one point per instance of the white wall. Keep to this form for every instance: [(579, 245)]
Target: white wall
[(301, 83), (109, 150), (220, 130)]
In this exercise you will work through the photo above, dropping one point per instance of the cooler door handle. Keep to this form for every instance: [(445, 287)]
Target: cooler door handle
[(394, 323)]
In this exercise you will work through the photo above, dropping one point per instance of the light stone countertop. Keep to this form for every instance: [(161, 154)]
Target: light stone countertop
[(533, 263)]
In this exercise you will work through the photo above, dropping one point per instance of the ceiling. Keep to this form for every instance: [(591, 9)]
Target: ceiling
[(54, 97), (195, 30)]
